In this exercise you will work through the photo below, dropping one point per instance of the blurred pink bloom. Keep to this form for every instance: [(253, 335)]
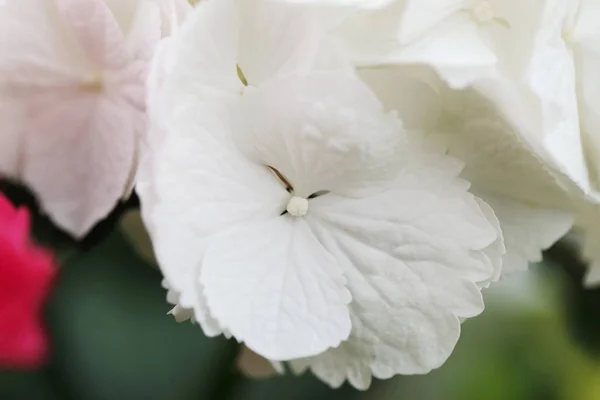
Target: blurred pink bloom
[(27, 273), (72, 100)]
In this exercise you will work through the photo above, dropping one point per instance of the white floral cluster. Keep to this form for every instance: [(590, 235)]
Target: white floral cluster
[(330, 182)]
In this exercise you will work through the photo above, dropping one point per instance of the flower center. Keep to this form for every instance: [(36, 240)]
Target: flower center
[(297, 206), (484, 11), (93, 82)]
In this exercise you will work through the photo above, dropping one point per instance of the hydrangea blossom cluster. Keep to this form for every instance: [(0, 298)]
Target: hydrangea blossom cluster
[(528, 132), (331, 182)]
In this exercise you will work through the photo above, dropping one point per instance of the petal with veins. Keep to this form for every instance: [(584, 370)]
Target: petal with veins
[(527, 230), (525, 196), (275, 287), (410, 274), (230, 191), (328, 114), (396, 231)]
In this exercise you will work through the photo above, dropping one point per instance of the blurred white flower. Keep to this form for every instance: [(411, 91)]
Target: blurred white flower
[(534, 211), (467, 39), (513, 52), (289, 211), (72, 100), (569, 49)]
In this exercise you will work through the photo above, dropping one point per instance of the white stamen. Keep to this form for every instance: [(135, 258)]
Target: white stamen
[(484, 11), (297, 206)]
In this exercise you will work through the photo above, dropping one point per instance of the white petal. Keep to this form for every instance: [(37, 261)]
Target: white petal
[(179, 313), (552, 79), (500, 167), (586, 24), (496, 250), (369, 38), (174, 12), (515, 108), (321, 132), (413, 256), (195, 184), (490, 142), (200, 63), (525, 197), (145, 32), (396, 326), (274, 287), (421, 16), (205, 51), (496, 158), (414, 92), (276, 39), (527, 230), (455, 49), (447, 213)]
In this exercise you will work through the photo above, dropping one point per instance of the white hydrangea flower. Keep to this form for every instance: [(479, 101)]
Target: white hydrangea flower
[(534, 211), (540, 59), (568, 48), (503, 48), (464, 39), (569, 51), (297, 216), (222, 35), (72, 75)]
